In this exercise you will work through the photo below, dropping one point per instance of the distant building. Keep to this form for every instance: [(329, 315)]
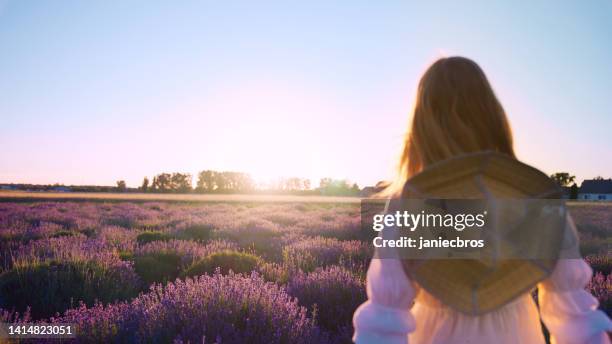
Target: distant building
[(371, 190), (595, 190), (366, 191), (61, 189)]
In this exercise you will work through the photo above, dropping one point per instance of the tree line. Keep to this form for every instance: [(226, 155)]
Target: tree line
[(210, 181)]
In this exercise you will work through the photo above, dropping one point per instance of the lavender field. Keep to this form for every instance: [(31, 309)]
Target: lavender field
[(229, 272)]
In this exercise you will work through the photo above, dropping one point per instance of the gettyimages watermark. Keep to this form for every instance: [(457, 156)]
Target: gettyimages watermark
[(468, 229)]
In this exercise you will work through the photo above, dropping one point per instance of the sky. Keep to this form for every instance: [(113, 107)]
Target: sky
[(92, 92)]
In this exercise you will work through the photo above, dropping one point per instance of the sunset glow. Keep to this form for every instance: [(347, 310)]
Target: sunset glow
[(262, 89)]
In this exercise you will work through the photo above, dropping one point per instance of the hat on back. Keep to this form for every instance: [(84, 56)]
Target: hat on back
[(477, 286)]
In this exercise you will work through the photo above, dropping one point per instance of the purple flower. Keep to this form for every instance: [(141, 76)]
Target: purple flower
[(332, 295), (601, 287), (228, 309)]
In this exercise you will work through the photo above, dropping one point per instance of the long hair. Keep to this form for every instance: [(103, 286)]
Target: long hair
[(455, 112)]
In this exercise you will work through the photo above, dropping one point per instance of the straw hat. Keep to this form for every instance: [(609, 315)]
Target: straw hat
[(474, 286)]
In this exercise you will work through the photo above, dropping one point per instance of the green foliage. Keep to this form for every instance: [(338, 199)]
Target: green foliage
[(145, 185), (150, 236), (121, 186), (20, 237), (337, 187), (574, 191), (126, 255), (283, 219), (214, 181), (63, 233), (257, 239), (273, 272), (175, 182), (563, 178), (51, 287), (120, 221), (227, 260), (157, 267), (197, 232), (206, 181), (88, 232)]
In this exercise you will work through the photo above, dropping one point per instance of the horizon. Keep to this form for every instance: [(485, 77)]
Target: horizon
[(259, 185), (95, 92)]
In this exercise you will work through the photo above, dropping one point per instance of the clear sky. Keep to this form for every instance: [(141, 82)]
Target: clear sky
[(96, 91)]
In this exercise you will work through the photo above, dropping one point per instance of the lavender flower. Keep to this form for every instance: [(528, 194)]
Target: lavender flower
[(601, 287), (226, 309), (189, 251), (331, 294), (309, 253)]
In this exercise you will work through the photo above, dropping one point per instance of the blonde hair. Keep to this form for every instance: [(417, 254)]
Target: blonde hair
[(456, 112)]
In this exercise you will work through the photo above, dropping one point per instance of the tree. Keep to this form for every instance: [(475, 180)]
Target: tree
[(573, 191), (324, 183), (221, 181), (564, 179), (206, 181), (337, 187), (243, 182), (154, 184), (121, 187), (234, 182), (293, 184), (175, 182), (145, 185), (162, 182), (180, 182)]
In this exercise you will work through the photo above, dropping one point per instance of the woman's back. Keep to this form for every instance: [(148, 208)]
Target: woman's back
[(457, 113), (399, 311), (516, 322)]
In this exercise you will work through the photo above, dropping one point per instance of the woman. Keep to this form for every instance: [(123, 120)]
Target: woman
[(456, 112)]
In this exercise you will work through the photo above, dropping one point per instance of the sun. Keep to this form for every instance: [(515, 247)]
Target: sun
[(268, 131)]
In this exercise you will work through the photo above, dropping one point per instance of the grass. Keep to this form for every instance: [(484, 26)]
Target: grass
[(26, 196)]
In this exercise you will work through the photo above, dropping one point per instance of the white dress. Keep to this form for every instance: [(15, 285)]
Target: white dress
[(399, 312)]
